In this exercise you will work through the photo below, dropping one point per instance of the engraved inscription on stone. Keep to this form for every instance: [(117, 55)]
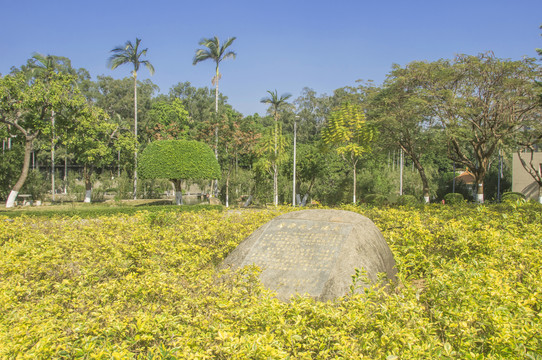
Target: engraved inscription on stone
[(314, 252), (298, 255)]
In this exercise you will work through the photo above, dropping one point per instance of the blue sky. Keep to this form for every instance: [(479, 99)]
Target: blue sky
[(283, 45)]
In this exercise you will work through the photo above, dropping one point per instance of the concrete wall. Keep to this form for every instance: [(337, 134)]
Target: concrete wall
[(522, 181)]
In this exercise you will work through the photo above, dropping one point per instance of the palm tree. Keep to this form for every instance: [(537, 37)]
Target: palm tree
[(277, 103), (130, 54), (214, 51)]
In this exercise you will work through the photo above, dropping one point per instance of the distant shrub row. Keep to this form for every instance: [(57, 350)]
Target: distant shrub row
[(449, 199), (97, 211)]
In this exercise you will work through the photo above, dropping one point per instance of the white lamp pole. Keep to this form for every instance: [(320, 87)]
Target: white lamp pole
[(401, 174), (295, 140)]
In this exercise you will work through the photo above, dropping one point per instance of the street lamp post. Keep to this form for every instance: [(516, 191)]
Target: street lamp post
[(499, 177), (401, 174), (295, 140)]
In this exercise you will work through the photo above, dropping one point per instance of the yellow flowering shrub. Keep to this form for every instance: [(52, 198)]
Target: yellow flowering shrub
[(147, 286)]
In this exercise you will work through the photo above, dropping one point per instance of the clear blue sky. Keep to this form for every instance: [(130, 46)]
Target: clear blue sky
[(283, 45)]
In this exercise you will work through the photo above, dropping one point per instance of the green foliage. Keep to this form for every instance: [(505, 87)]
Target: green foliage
[(376, 199), (36, 185), (334, 186), (408, 200), (146, 286), (347, 128), (116, 97), (454, 198), (130, 53), (512, 197), (28, 108), (124, 186), (466, 90), (446, 186), (11, 161), (214, 51), (177, 160), (168, 120), (270, 149), (491, 181), (377, 179), (94, 139)]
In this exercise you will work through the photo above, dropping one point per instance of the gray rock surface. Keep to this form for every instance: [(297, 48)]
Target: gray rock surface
[(315, 253)]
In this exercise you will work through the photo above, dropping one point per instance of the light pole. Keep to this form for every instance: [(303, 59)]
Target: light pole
[(401, 174), (499, 177), (295, 141)]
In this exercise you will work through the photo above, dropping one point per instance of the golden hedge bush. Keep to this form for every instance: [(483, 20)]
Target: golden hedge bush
[(146, 286)]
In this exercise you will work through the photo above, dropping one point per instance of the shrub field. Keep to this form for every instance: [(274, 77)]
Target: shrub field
[(145, 285)]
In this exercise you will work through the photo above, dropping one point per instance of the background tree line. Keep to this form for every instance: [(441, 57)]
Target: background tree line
[(405, 136)]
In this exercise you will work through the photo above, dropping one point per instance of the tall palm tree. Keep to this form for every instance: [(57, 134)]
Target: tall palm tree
[(277, 103), (131, 54), (216, 52)]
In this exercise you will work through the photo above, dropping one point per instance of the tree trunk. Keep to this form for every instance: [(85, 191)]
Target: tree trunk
[(275, 165), (228, 186), (135, 135), (275, 184), (480, 192), (425, 183), (53, 156), (216, 111), (66, 174), (88, 184), (29, 139), (177, 184), (354, 197), (426, 195), (540, 193), (249, 200), (228, 191), (294, 165)]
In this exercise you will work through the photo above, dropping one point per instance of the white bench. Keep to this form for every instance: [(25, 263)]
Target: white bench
[(27, 199)]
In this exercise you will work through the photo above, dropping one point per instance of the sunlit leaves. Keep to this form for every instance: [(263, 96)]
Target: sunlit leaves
[(347, 128), (146, 286), (178, 159)]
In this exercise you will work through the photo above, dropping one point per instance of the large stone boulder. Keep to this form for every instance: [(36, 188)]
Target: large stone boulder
[(315, 253)]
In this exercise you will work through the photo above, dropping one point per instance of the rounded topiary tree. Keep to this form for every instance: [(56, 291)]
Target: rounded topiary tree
[(178, 160), (453, 198)]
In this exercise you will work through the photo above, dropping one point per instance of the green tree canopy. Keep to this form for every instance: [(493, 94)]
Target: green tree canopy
[(178, 160), (27, 108), (168, 120), (482, 102), (401, 109), (93, 142), (348, 130)]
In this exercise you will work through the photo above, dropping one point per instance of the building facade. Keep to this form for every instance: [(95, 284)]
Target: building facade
[(522, 181)]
